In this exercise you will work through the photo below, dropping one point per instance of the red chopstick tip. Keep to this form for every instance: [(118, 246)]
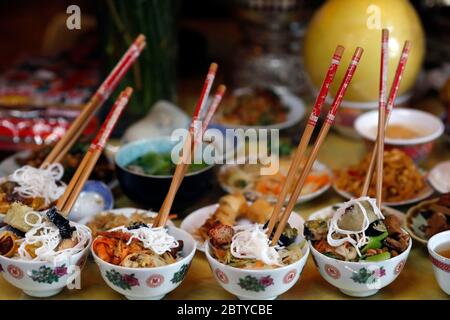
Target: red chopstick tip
[(221, 89), (127, 92), (339, 51), (213, 67), (358, 52), (385, 34)]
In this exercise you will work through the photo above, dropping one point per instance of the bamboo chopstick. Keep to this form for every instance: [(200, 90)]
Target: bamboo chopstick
[(390, 105), (66, 202), (382, 113), (311, 124), (180, 170), (318, 143), (100, 96)]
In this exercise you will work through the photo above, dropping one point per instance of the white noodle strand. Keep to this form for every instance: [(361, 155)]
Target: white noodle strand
[(156, 239), (252, 242), (46, 236), (40, 183), (357, 238)]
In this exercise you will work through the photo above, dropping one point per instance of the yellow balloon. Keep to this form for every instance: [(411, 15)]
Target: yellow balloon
[(353, 23)]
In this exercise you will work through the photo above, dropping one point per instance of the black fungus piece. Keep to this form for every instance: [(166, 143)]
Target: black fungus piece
[(376, 228), (65, 229), (136, 225), (174, 251), (17, 232), (287, 237)]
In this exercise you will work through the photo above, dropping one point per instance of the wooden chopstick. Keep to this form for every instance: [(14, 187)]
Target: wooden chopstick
[(306, 136), (101, 95), (382, 113), (180, 170), (318, 143), (66, 202), (390, 105)]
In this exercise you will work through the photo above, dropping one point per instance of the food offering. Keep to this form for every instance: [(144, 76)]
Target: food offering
[(108, 220), (41, 254), (357, 247), (247, 179), (358, 231), (137, 245), (103, 171), (159, 164), (403, 182), (246, 263), (37, 188), (231, 210), (429, 218), (260, 107)]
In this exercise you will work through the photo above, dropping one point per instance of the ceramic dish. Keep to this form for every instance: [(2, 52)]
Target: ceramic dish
[(197, 218), (252, 194), (419, 148), (358, 279), (296, 110), (424, 194)]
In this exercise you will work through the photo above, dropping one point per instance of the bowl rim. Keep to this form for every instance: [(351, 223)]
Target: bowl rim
[(153, 139), (304, 258), (436, 132), (36, 262), (180, 262), (432, 251)]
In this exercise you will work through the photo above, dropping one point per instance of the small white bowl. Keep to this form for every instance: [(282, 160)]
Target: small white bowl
[(149, 283), (417, 148), (44, 279), (248, 284), (441, 265), (357, 279)]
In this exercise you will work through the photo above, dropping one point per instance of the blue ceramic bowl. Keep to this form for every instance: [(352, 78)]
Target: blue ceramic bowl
[(150, 190)]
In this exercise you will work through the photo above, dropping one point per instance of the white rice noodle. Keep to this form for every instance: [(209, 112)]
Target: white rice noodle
[(252, 242), (39, 183), (156, 239), (356, 238), (45, 235)]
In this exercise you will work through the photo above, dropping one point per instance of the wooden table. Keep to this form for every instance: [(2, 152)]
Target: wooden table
[(415, 282)]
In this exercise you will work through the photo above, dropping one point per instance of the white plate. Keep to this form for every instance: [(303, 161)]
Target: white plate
[(317, 167), (128, 212), (197, 218), (289, 100), (424, 194), (327, 211), (439, 177)]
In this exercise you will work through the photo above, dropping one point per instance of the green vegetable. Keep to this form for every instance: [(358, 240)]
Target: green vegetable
[(159, 164), (379, 257), (375, 242)]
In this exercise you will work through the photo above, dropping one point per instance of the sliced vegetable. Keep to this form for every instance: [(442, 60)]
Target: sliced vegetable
[(375, 242), (379, 257)]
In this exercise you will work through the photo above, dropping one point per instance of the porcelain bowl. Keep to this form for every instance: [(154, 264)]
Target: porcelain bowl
[(149, 283), (150, 190), (249, 284), (44, 279), (358, 279), (417, 148)]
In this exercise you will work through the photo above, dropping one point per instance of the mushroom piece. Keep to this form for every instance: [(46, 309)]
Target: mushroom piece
[(8, 244)]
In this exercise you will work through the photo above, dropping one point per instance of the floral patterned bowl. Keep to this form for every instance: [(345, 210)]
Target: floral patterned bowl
[(44, 279), (357, 279), (149, 283), (249, 284)]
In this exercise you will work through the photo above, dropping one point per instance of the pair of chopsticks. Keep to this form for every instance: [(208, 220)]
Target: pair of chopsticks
[(67, 200), (384, 114), (200, 121), (100, 96), (283, 217)]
